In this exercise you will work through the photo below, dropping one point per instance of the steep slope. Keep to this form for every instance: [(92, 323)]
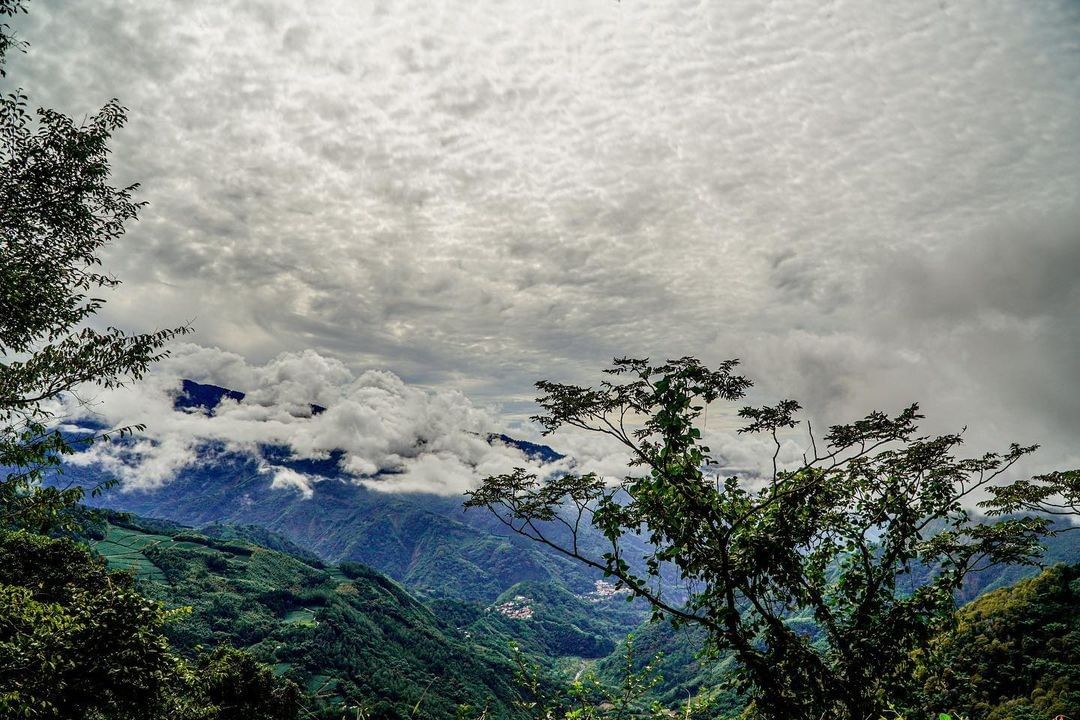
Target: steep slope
[(683, 672), (351, 636), (424, 541), (1015, 652), (547, 621)]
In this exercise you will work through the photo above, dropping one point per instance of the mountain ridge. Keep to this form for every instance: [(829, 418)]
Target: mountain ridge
[(426, 541), (348, 634)]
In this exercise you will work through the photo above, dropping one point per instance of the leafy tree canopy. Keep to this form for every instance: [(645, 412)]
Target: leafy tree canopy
[(1014, 653), (77, 641), (841, 537), (58, 210)]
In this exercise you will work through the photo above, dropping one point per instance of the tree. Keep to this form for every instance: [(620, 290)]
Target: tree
[(58, 210), (237, 687), (1055, 494), (1015, 652), (841, 537), (77, 641)]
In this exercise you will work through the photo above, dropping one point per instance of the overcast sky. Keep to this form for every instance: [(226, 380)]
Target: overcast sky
[(869, 203)]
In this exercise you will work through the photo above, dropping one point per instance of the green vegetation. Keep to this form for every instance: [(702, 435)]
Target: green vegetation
[(686, 669), (123, 548), (57, 212), (1014, 653), (683, 667), (838, 538), (77, 641), (546, 621), (587, 697), (232, 587), (258, 535), (348, 635)]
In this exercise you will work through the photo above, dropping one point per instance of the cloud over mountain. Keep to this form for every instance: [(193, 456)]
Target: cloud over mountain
[(869, 203), (375, 428), (393, 436)]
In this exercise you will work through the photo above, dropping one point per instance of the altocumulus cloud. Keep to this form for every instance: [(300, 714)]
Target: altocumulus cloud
[(871, 203)]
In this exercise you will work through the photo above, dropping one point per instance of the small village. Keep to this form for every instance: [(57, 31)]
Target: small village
[(603, 591), (518, 608)]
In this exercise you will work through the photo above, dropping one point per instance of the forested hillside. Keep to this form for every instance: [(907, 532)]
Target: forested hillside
[(346, 634), (351, 638), (77, 641), (1014, 653)]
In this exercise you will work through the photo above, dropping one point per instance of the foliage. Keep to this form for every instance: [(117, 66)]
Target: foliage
[(687, 670), (1056, 494), (1015, 652), (351, 636), (236, 687), (684, 669), (8, 8), (77, 641), (587, 697), (834, 538), (58, 210)]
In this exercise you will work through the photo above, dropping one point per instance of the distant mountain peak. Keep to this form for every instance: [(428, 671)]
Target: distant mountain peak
[(204, 398), (533, 451)]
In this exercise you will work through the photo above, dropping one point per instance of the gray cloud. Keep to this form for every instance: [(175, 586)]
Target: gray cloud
[(983, 331), (869, 203)]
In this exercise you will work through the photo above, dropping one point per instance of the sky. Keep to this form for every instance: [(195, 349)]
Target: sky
[(869, 204)]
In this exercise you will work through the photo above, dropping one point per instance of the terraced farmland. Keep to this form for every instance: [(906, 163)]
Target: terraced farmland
[(123, 549)]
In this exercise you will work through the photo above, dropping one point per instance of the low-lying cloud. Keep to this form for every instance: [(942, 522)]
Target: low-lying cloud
[(394, 436), (385, 433)]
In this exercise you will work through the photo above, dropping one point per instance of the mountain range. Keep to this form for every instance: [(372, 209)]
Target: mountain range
[(426, 541), (408, 580)]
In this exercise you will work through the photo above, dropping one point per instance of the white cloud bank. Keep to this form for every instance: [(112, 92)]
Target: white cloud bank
[(431, 441), (394, 437)]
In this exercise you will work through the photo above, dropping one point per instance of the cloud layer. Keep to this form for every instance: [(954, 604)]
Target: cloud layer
[(869, 203), (394, 437)]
